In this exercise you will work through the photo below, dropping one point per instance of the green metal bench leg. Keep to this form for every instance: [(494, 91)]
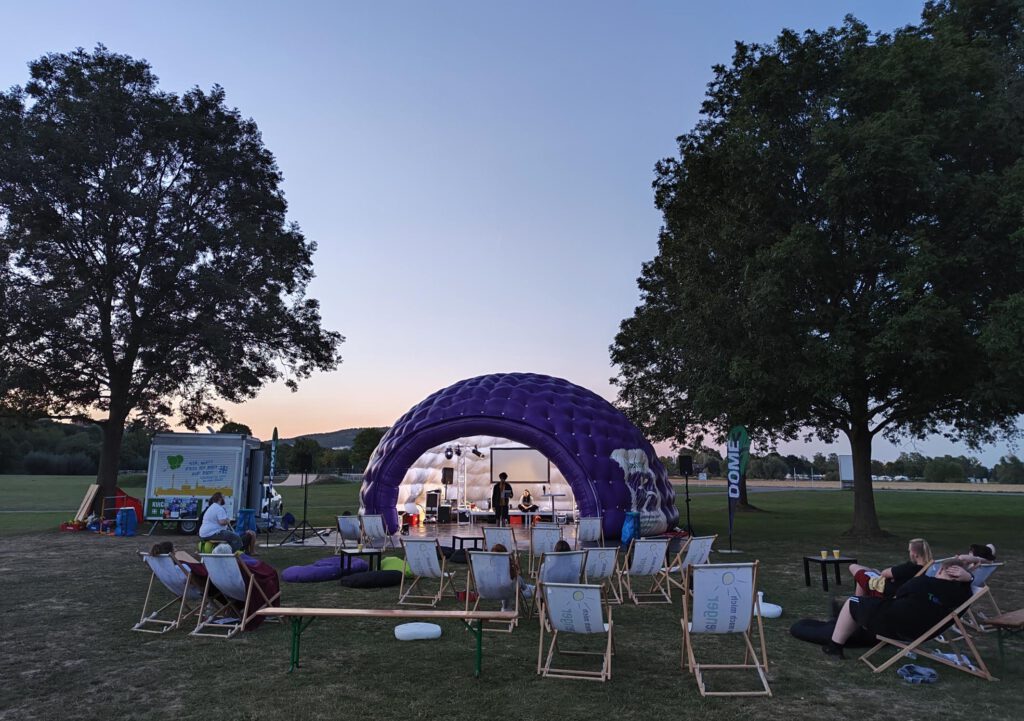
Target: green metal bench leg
[(297, 629), (479, 646)]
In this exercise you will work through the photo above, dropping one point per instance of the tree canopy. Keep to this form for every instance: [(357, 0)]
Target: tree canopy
[(147, 266), (843, 243)]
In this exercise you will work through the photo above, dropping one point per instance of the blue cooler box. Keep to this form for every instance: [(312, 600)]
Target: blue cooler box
[(126, 522), (246, 520)]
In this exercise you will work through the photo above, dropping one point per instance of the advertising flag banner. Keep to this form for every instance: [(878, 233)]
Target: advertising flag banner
[(273, 457), (737, 448)]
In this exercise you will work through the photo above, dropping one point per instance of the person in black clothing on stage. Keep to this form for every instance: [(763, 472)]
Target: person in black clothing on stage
[(918, 605), (500, 497), (884, 584)]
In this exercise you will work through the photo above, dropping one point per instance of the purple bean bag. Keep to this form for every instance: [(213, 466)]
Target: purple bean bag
[(326, 569)]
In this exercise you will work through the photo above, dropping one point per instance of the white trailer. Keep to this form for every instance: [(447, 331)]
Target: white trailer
[(185, 469)]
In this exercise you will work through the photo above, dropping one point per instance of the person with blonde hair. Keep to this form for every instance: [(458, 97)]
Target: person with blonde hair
[(884, 584)]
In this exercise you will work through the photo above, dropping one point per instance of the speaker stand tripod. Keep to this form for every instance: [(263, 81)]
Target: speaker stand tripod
[(303, 524), (689, 526)]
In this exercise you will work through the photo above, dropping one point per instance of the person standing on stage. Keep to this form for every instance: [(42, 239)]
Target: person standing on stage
[(500, 497)]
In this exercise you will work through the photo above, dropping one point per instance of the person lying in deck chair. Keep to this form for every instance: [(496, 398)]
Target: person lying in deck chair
[(884, 584), (918, 605), (978, 554)]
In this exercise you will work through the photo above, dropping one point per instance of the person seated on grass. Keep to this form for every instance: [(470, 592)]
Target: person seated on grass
[(216, 527), (918, 605), (527, 589), (526, 504), (884, 584)]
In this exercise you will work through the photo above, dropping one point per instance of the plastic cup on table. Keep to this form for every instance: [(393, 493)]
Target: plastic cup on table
[(824, 553), (835, 553)]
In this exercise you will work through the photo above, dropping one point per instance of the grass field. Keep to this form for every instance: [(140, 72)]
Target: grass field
[(71, 598)]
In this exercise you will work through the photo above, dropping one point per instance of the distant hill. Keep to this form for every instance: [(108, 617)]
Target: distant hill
[(334, 439)]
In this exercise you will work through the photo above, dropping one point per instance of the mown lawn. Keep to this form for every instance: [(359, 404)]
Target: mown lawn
[(71, 598)]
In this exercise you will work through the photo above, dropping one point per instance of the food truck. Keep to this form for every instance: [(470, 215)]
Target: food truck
[(185, 469)]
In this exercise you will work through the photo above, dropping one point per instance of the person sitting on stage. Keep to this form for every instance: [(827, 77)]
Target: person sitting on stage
[(526, 504), (216, 527), (884, 584), (919, 604)]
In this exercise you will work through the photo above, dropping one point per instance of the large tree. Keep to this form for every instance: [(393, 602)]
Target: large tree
[(148, 269), (843, 243)]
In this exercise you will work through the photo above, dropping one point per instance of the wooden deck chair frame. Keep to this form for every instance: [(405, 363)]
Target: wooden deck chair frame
[(350, 528), (694, 597), (504, 535), (972, 664), (177, 579), (476, 587), (975, 617), (646, 557), (423, 567), (589, 530), (695, 552), (602, 567), (374, 531), (563, 567), (559, 618), (242, 610), (539, 549)]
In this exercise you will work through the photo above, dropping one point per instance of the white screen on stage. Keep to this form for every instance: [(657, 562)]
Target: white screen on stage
[(523, 465)]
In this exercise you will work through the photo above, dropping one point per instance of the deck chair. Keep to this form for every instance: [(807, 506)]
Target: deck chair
[(972, 664), (723, 598), (505, 535), (695, 552), (572, 608), (975, 616), (561, 567), (490, 580), (589, 533), (176, 578), (350, 530), (425, 561), (374, 533), (646, 557), (542, 540), (229, 575), (601, 568)]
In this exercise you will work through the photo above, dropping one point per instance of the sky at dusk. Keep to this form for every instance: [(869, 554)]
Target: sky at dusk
[(476, 175)]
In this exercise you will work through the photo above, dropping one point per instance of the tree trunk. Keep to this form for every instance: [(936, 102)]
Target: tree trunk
[(865, 518), (110, 456), (742, 503)]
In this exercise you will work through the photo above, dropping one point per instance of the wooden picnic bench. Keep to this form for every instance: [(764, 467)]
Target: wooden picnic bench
[(302, 617), (1005, 624)]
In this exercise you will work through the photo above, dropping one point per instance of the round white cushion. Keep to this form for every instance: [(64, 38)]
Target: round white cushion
[(414, 631)]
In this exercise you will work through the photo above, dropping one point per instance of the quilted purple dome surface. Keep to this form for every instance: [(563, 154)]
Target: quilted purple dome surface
[(606, 460)]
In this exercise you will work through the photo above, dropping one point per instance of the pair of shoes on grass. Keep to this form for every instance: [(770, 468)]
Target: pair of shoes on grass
[(833, 649)]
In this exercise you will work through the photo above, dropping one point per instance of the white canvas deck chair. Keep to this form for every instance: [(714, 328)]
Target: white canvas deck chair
[(228, 574), (350, 533), (425, 561), (695, 552), (601, 568), (574, 609), (646, 557), (971, 663), (975, 617), (542, 540), (374, 533), (723, 599), (490, 580), (561, 567), (504, 535), (176, 578), (589, 533)]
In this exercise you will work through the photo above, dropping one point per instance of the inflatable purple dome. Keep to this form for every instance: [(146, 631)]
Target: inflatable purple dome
[(609, 465)]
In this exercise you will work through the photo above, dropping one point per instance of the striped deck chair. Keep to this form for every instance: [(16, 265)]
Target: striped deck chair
[(601, 568), (425, 561), (589, 533), (229, 575), (186, 592), (575, 609), (490, 579), (723, 599), (646, 557), (495, 535), (542, 540)]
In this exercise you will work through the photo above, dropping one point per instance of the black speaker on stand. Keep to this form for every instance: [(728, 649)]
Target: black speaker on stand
[(686, 468)]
